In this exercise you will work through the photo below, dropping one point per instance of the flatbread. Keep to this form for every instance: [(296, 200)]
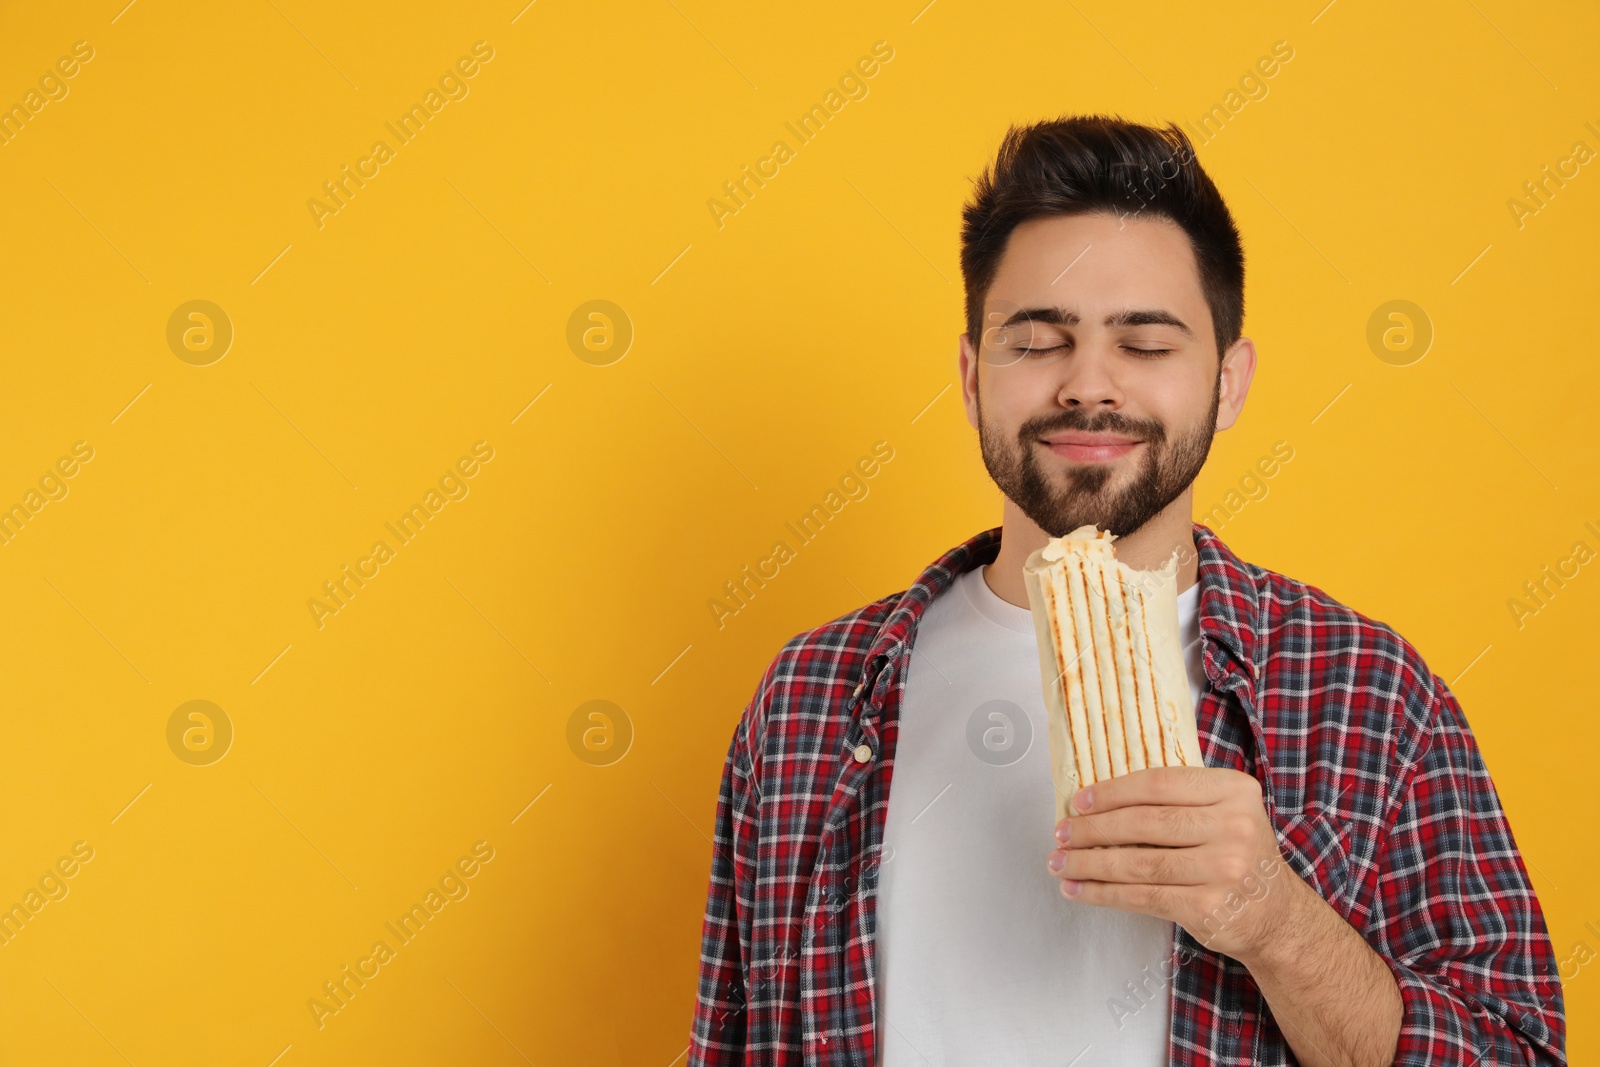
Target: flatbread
[(1116, 691)]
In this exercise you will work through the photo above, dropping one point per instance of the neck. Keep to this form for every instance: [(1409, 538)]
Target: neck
[(1145, 549)]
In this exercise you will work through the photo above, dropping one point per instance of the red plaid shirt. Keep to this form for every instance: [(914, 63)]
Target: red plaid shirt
[(1380, 798)]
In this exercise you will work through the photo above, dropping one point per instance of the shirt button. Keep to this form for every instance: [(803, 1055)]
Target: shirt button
[(863, 753)]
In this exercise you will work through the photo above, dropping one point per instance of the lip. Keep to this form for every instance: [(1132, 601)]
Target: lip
[(1090, 448)]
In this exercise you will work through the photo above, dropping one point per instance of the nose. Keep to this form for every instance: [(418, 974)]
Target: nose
[(1087, 380)]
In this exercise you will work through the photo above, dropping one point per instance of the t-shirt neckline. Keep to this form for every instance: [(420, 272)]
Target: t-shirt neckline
[(1001, 612)]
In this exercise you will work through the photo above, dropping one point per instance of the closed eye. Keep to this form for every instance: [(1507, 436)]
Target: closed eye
[(1142, 352)]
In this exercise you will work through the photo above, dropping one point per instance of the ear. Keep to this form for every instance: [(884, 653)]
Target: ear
[(967, 367), (1238, 368)]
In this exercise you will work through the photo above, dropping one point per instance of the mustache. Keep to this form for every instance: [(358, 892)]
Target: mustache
[(1108, 422)]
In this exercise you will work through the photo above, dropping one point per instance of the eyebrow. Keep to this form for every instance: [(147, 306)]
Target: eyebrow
[(1053, 316)]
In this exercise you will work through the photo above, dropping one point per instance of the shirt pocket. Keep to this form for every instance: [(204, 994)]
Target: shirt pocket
[(1316, 845)]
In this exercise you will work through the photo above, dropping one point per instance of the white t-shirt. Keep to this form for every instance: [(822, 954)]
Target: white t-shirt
[(980, 959)]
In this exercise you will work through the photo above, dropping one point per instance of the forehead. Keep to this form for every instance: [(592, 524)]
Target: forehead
[(1099, 261)]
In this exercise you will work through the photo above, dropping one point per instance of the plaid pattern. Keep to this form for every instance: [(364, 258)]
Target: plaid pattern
[(1370, 774)]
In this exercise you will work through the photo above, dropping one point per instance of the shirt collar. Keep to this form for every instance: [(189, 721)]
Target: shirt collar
[(1229, 605)]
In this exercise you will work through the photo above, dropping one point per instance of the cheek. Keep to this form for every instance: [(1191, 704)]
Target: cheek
[(1003, 423), (1179, 399), (1012, 395)]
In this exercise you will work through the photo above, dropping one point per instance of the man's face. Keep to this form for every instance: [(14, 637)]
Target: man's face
[(1081, 422)]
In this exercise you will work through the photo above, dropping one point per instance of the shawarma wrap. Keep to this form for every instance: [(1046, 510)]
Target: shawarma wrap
[(1116, 692)]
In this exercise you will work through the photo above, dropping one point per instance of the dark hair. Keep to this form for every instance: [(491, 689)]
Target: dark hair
[(1079, 164)]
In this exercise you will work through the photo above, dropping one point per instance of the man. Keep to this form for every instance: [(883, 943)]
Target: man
[(1338, 883)]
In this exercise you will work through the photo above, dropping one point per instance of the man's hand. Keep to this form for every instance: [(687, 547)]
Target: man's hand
[(1189, 844)]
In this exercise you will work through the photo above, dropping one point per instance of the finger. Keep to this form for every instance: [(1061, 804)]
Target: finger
[(1145, 899), (1132, 864), (1172, 825), (1165, 785)]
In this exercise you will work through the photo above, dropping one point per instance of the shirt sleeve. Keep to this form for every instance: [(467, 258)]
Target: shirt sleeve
[(719, 1031), (1457, 917)]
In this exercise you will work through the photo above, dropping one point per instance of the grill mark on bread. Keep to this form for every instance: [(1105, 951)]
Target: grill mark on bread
[(1115, 723), (1133, 672), (1071, 677), (1054, 615), (1155, 687), (1093, 688)]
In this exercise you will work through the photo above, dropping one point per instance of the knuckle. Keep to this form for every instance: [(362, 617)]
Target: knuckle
[(1186, 822), (1155, 868)]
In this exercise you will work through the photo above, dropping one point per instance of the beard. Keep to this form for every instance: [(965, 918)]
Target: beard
[(1061, 501)]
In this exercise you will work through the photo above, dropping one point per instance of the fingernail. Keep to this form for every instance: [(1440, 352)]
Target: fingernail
[(1064, 832), (1071, 888), (1084, 799), (1056, 860)]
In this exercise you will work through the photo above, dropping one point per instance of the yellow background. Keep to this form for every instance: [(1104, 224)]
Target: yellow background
[(768, 356)]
